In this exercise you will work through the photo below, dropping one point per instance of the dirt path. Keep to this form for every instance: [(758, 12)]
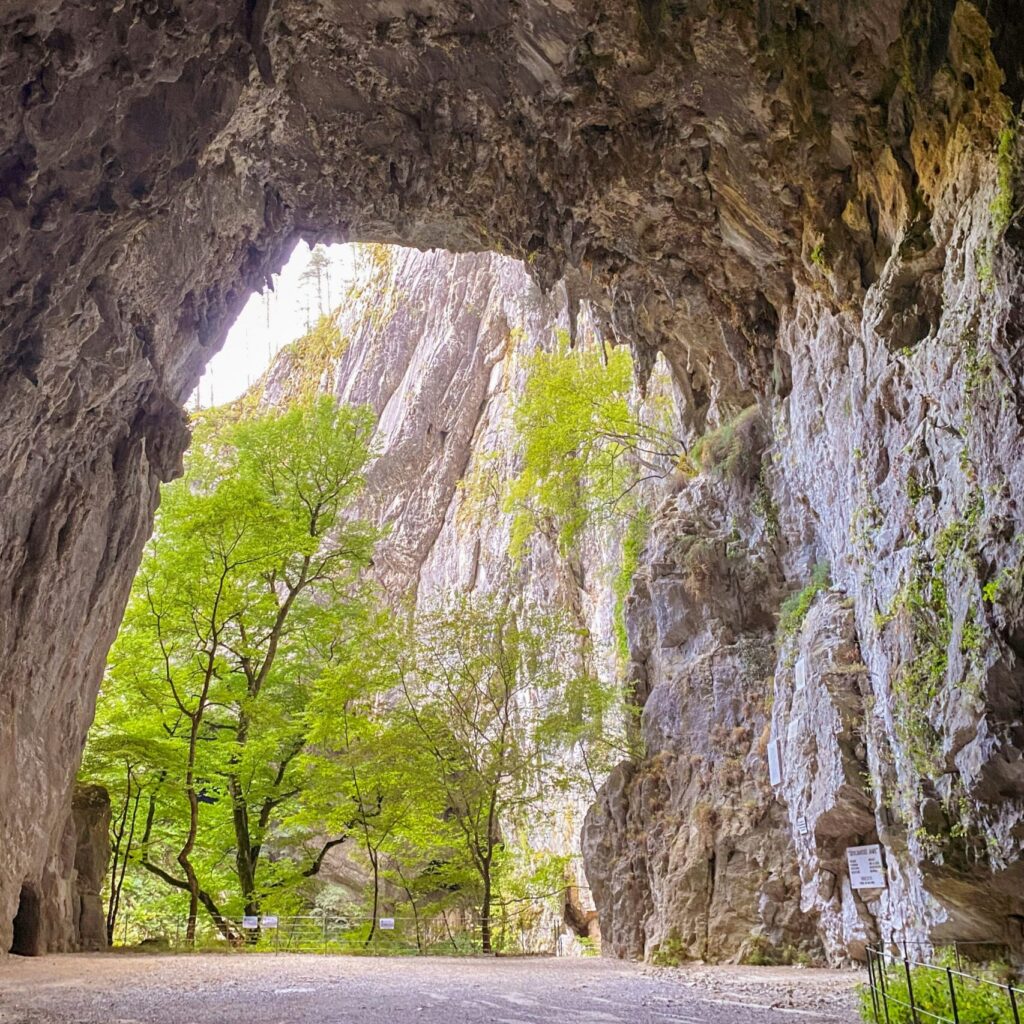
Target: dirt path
[(274, 989)]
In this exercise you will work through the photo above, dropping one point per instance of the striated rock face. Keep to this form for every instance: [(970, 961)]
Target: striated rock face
[(819, 720), (436, 344), (60, 909), (688, 852), (814, 208)]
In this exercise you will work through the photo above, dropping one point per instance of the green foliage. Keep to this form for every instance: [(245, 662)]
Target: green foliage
[(490, 699), (923, 605), (584, 447), (794, 609), (818, 257), (730, 450), (1002, 208), (258, 700), (313, 354), (977, 1001), (762, 953), (669, 953), (764, 506), (253, 572)]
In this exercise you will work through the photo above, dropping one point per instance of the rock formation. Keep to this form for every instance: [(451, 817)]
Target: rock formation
[(809, 208), (437, 345), (90, 819), (60, 909)]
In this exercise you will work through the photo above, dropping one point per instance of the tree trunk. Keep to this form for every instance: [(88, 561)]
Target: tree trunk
[(485, 910), (117, 876), (375, 863)]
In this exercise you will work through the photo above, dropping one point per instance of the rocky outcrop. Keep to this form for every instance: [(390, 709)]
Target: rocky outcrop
[(90, 816), (688, 852), (810, 207), (60, 909), (818, 721)]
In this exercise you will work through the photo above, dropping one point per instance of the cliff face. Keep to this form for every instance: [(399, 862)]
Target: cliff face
[(809, 208), (436, 344)]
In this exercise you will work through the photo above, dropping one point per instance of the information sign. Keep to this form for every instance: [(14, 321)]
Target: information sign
[(867, 869), (250, 922), (387, 924), (269, 921)]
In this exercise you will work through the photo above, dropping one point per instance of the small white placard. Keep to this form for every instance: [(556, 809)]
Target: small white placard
[(774, 764), (269, 920), (387, 924), (801, 825), (250, 922), (867, 870)]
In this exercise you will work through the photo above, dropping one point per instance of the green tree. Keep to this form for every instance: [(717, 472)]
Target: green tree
[(366, 782), (585, 448), (480, 681), (254, 570)]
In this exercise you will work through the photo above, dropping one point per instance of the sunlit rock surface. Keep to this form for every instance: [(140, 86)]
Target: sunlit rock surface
[(437, 345), (810, 207)]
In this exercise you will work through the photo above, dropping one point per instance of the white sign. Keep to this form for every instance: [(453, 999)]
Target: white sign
[(774, 764), (269, 921), (801, 825), (250, 922), (867, 870), (387, 924)]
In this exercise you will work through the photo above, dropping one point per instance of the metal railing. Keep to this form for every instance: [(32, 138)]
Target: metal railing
[(907, 991), (445, 934)]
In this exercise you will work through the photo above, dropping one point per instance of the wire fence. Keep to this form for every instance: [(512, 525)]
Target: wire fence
[(903, 990), (451, 933)]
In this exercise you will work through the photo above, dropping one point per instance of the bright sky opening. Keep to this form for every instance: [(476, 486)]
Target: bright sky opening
[(273, 318)]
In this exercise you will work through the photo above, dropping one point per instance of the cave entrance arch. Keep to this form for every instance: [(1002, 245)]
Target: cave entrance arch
[(28, 924)]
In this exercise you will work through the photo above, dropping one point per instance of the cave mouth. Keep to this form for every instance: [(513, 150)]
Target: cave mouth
[(28, 924), (373, 327)]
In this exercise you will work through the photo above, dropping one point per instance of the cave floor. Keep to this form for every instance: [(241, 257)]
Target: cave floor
[(308, 989)]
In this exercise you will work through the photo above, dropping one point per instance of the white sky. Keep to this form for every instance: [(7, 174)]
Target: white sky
[(269, 321)]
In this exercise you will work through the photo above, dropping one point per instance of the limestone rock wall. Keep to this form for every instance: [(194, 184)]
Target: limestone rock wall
[(810, 207), (688, 851), (437, 344), (60, 909)]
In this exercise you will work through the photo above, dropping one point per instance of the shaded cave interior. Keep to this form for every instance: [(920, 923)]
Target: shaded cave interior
[(28, 924)]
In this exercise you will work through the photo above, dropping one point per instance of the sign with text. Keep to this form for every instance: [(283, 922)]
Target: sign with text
[(867, 869), (387, 924), (250, 922), (269, 921)]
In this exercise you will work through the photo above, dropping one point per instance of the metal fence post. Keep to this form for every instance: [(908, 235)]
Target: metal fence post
[(910, 991), (871, 984), (882, 982), (1013, 1004), (952, 995)]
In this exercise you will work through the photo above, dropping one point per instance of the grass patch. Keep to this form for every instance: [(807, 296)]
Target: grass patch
[(976, 1001), (794, 609), (731, 450), (632, 546)]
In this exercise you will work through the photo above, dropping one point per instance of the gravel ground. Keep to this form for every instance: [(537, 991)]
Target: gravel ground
[(305, 989)]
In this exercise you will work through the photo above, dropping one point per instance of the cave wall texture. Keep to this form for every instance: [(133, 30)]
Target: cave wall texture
[(805, 206)]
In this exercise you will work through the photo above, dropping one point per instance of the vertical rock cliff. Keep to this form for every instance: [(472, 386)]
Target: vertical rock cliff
[(436, 344)]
